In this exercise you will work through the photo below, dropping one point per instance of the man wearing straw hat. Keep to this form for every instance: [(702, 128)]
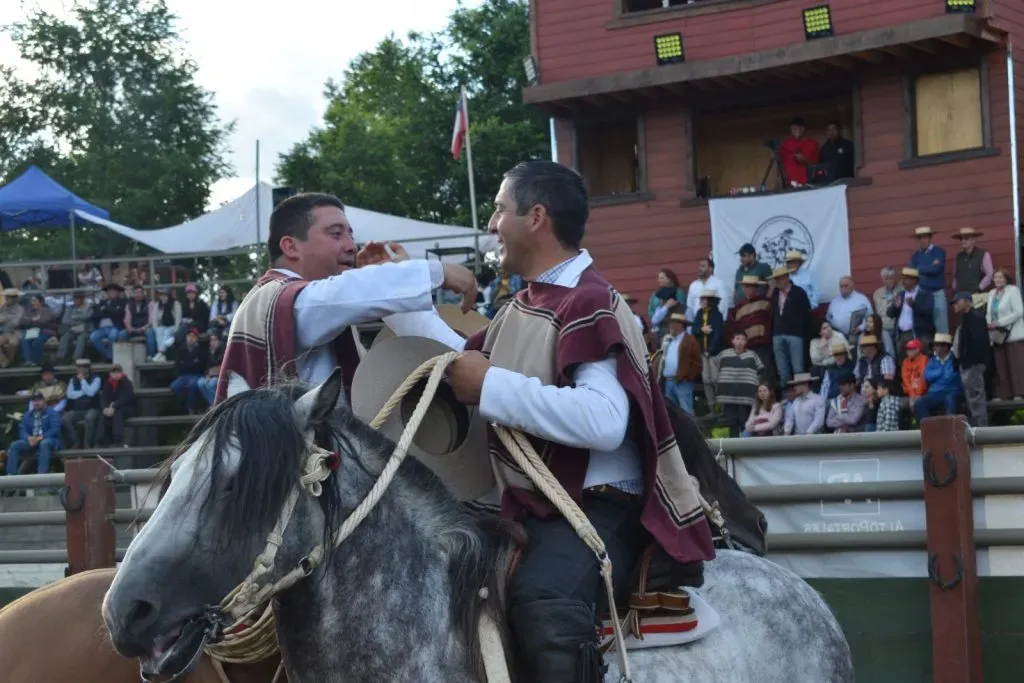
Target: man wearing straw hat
[(808, 413), (681, 362), (565, 363), (973, 352), (973, 270), (802, 277), (913, 310), (791, 324), (930, 262), (297, 318)]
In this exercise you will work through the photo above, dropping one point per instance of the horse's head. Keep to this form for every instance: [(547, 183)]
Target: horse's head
[(227, 488)]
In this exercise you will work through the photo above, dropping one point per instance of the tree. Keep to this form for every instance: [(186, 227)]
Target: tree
[(385, 140), (114, 114)]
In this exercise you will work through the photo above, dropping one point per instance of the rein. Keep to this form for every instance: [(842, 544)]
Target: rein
[(251, 635)]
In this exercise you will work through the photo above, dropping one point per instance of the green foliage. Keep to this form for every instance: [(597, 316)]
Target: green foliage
[(114, 114), (385, 140)]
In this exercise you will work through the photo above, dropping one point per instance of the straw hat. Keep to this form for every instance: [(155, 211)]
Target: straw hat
[(751, 280), (679, 318), (781, 271), (942, 338), (868, 340), (708, 293), (794, 255), (11, 291), (452, 439), (911, 272), (800, 378), (466, 324), (923, 231), (839, 347), (966, 232), (979, 299)]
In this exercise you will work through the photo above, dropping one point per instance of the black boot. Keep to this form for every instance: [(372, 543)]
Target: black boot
[(557, 642)]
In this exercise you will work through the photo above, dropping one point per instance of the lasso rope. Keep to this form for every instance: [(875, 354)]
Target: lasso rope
[(252, 636)]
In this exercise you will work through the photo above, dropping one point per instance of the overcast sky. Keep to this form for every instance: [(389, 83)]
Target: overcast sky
[(267, 63)]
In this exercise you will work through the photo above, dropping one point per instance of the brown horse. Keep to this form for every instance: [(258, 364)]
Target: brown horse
[(55, 634)]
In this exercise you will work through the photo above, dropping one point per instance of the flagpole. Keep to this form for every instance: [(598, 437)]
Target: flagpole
[(472, 190)]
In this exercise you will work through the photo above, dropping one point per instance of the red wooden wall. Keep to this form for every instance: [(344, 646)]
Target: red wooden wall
[(1009, 16), (631, 242), (573, 38)]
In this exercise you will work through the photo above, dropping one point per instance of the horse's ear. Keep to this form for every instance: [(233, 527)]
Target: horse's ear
[(316, 404), (236, 384)]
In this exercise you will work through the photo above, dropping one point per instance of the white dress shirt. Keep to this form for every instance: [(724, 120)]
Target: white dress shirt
[(592, 414), (326, 308), (697, 286)]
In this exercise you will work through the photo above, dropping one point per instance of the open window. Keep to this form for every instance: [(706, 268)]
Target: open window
[(646, 5), (948, 112), (610, 156), (733, 150)]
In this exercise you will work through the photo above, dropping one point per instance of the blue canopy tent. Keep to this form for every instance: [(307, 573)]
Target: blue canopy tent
[(34, 199)]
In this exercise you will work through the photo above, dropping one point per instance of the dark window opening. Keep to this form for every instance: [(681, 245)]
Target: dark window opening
[(609, 156)]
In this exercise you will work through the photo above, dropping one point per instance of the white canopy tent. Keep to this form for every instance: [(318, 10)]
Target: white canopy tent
[(235, 225)]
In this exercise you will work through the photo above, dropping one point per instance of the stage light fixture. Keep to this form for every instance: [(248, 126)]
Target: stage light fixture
[(668, 48), (530, 67), (818, 22), (961, 6)]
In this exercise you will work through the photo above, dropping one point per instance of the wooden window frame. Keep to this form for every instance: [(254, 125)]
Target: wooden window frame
[(622, 18), (642, 194), (910, 157)]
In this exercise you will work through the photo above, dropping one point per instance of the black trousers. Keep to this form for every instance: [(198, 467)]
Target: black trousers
[(557, 591), (735, 418)]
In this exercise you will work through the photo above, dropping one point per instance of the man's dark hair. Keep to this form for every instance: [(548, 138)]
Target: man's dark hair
[(560, 190), (711, 262), (293, 218), (747, 248)]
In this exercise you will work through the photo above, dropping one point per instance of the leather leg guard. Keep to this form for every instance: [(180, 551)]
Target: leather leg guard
[(557, 642)]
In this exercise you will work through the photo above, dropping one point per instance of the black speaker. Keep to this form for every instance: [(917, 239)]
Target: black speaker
[(279, 194)]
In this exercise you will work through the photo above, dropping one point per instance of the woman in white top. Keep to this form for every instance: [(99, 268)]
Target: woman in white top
[(821, 346), (1005, 317)]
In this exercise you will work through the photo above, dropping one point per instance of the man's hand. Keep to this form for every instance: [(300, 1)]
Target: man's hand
[(466, 376), (461, 280), (373, 253), (34, 440), (108, 411)]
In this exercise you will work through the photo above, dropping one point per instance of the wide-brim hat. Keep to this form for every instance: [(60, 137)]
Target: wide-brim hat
[(801, 378), (839, 347), (911, 272), (112, 285), (751, 280), (924, 231), (967, 232), (781, 271), (942, 338), (868, 340), (979, 299), (11, 291), (452, 438), (679, 318), (708, 293), (465, 324), (795, 256)]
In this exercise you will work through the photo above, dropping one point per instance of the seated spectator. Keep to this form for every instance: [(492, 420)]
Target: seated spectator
[(847, 412), (1005, 316), (944, 387), (75, 326), (83, 406), (788, 396), (973, 353), (38, 434), (753, 316), (117, 404), (10, 335), (166, 320), (208, 384), (52, 389), (912, 374), (108, 321), (195, 314), (137, 315), (888, 417), (914, 311), (501, 290), (869, 390), (191, 368), (89, 276), (791, 324), (668, 294), (38, 323), (874, 363), (848, 310), (808, 408), (223, 311), (842, 364), (739, 371), (766, 416), (823, 347), (709, 330), (873, 327)]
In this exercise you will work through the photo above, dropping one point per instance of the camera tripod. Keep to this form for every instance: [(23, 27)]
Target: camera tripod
[(777, 163)]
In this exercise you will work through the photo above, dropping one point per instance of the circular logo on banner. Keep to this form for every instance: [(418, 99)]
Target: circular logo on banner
[(780, 234)]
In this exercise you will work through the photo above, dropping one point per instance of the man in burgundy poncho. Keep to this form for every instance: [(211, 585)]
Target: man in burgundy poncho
[(565, 362), (296, 320)]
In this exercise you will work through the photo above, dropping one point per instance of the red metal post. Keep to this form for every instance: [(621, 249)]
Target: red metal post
[(88, 499), (952, 570)]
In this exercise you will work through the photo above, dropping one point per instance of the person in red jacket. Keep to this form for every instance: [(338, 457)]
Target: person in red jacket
[(797, 153)]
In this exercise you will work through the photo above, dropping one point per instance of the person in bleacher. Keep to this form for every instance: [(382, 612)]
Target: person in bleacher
[(83, 406), (847, 412), (195, 315), (681, 363), (223, 311), (75, 326), (208, 384), (192, 358), (39, 434), (973, 352), (10, 335), (108, 319), (944, 386), (52, 389), (166, 320), (117, 404), (137, 315), (38, 323), (806, 414)]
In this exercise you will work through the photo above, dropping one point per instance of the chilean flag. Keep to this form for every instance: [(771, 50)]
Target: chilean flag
[(461, 128)]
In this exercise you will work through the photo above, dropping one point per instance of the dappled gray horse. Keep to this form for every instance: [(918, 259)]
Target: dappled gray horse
[(398, 600)]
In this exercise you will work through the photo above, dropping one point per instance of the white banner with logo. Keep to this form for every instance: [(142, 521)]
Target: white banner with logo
[(814, 222)]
